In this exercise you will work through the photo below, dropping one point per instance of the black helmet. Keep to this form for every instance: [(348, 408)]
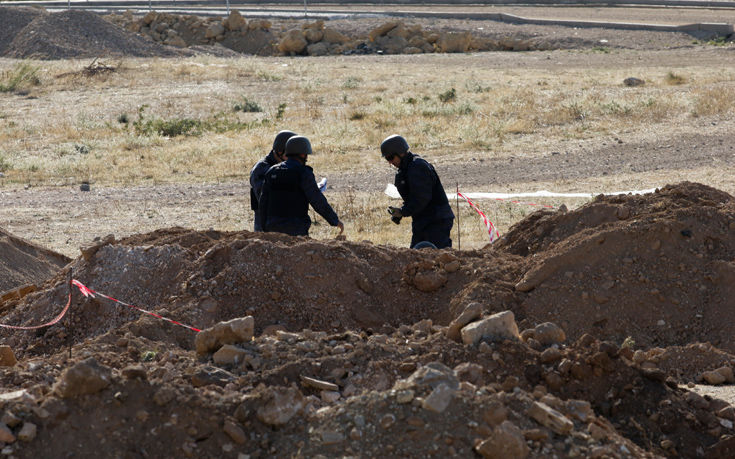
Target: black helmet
[(394, 145), (279, 143), (298, 145)]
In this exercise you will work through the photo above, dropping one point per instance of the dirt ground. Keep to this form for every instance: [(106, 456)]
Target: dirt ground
[(607, 327)]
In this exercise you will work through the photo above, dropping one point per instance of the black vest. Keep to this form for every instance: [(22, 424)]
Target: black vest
[(287, 199)]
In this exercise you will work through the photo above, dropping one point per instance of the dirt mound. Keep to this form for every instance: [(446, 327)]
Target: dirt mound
[(73, 34), (13, 21), (350, 352), (659, 268), (23, 263)]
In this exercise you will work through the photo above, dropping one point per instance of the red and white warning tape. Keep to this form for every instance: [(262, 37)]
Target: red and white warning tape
[(490, 227), (88, 292), (47, 324)]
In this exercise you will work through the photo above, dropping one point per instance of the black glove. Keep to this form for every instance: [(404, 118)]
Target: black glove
[(395, 211), (396, 220)]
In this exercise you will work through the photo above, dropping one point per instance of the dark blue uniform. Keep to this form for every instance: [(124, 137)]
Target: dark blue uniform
[(288, 190), (425, 201), (257, 176)]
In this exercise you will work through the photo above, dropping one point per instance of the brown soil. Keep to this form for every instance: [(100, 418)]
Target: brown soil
[(657, 269), (656, 272)]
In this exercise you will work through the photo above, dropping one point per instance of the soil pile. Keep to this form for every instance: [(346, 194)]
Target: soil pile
[(71, 34), (351, 348), (23, 263)]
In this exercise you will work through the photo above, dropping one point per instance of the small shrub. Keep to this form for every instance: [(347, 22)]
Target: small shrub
[(448, 96), (409, 100), (352, 83), (122, 118), (148, 356), (4, 164), (601, 49), (628, 342), (356, 116), (674, 79), (22, 75), (718, 41), (247, 106), (280, 111)]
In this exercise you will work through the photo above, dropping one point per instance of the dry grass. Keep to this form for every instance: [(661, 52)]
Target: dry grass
[(65, 127), (68, 129)]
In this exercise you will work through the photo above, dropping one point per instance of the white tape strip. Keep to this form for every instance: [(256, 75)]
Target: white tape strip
[(392, 191)]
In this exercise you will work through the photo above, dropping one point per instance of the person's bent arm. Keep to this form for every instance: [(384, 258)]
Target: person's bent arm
[(317, 199)]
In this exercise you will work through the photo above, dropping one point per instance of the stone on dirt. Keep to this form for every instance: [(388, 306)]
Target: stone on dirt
[(239, 330), (283, 403), (7, 357), (85, 377), (549, 417), (472, 312), (506, 441), (496, 327)]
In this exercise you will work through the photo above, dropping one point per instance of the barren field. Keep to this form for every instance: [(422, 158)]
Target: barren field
[(598, 327)]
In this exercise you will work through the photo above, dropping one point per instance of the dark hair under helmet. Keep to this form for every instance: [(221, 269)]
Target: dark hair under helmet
[(298, 145), (279, 143), (394, 145)]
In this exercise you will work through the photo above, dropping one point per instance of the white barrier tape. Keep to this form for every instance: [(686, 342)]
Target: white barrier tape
[(392, 191)]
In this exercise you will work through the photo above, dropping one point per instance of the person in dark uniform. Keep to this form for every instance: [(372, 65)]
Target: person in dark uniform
[(257, 174), (288, 190), (424, 198)]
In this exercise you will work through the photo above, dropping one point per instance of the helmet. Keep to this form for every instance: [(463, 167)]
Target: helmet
[(279, 143), (393, 145), (298, 145)]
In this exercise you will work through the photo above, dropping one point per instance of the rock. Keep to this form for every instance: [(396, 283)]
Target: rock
[(85, 377), (282, 405), (318, 384), (238, 330), (7, 357), (429, 281), (134, 372), (506, 441), (713, 377), (313, 33), (495, 327), (10, 419), (207, 376), (88, 251), (229, 355), (726, 373), (633, 81), (235, 432), (317, 49), (472, 312), (27, 432), (329, 396), (549, 417), (580, 409), (597, 432), (383, 29), (334, 36), (234, 21), (214, 30), (6, 435), (430, 375), (293, 42), (549, 333), (439, 398), (454, 42), (470, 372), (551, 354)]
